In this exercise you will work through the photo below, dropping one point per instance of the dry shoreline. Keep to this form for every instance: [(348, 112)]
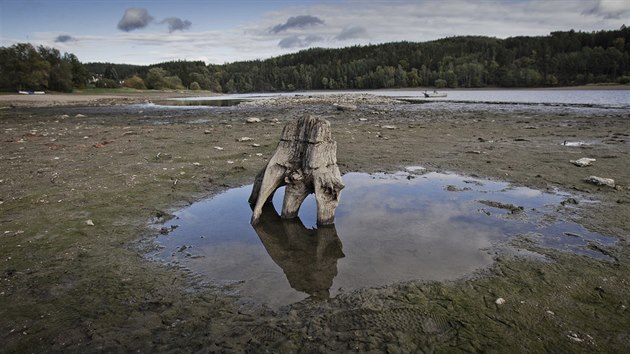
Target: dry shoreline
[(68, 286)]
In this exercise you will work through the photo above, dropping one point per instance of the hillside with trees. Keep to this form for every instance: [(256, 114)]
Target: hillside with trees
[(559, 59)]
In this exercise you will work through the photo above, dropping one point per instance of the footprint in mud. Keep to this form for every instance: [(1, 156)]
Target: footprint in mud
[(404, 319)]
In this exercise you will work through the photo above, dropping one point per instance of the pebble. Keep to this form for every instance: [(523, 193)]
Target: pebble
[(252, 120), (80, 116), (218, 148), (245, 138), (500, 301), (89, 222), (388, 127)]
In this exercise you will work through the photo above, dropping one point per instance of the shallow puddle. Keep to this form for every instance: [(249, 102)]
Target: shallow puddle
[(389, 228), (199, 102)]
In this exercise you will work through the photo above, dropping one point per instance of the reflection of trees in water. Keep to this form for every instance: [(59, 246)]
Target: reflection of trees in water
[(308, 257)]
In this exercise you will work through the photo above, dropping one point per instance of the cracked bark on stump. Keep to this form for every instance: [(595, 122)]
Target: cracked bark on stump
[(306, 162)]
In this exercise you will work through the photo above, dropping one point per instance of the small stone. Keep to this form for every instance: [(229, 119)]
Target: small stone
[(574, 337), (550, 312), (255, 145), (196, 164), (584, 161), (207, 131), (500, 301), (218, 148), (80, 116), (230, 162), (245, 138), (362, 119), (252, 120), (259, 154), (388, 127), (600, 181), (89, 222)]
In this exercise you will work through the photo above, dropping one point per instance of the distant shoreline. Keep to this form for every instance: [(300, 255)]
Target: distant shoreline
[(112, 97)]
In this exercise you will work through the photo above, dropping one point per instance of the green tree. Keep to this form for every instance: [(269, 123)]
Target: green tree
[(156, 79), (135, 82)]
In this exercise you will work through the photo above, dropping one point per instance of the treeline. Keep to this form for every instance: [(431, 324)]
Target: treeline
[(24, 67), (559, 59)]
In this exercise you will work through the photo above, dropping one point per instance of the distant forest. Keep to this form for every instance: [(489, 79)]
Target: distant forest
[(559, 59)]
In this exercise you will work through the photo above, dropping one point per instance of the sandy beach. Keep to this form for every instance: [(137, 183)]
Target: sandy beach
[(83, 176)]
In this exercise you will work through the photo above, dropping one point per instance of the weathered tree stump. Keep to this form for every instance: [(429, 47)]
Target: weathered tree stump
[(306, 162)]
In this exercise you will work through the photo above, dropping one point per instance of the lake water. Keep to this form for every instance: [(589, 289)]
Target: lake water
[(389, 228), (617, 99)]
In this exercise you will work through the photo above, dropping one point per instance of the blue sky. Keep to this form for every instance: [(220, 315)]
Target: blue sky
[(145, 32)]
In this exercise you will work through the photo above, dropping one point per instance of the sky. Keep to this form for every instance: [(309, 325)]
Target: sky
[(215, 31)]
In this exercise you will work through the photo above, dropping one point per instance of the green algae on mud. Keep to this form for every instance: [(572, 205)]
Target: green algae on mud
[(68, 286)]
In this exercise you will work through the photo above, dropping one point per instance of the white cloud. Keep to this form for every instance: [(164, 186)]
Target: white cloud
[(134, 18)]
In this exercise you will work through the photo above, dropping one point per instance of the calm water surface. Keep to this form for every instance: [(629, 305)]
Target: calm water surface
[(389, 228), (588, 98)]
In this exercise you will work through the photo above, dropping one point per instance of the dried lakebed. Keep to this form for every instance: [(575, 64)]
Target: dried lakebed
[(73, 286), (389, 228)]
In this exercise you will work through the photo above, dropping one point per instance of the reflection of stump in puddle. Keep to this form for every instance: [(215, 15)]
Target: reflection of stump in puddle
[(308, 257)]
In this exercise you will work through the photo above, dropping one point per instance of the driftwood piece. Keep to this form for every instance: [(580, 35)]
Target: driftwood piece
[(308, 257), (306, 162)]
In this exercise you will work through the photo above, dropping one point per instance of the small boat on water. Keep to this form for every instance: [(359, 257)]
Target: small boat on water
[(434, 94), (31, 92)]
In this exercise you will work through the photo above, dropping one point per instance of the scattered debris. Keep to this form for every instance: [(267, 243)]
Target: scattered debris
[(574, 337), (511, 207), (569, 201), (582, 162), (574, 143), (600, 181), (452, 188)]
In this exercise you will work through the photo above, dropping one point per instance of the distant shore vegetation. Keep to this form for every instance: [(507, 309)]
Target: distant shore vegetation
[(565, 58)]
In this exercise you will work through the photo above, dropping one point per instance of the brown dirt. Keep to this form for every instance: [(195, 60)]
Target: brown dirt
[(69, 286)]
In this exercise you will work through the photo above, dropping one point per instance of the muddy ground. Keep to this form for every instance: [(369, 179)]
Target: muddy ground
[(79, 186)]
